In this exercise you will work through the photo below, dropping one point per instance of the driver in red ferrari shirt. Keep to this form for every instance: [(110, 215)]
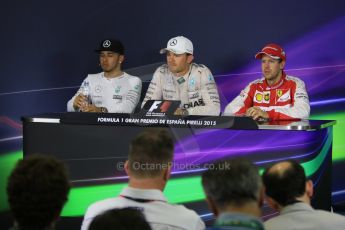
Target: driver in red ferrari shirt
[(276, 96)]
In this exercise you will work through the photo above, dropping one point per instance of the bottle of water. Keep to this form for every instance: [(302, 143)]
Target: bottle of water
[(86, 91)]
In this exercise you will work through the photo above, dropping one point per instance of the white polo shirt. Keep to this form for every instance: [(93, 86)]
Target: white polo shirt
[(158, 213), (197, 89), (119, 95)]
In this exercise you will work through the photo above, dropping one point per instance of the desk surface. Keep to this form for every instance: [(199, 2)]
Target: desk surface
[(296, 125), (231, 122)]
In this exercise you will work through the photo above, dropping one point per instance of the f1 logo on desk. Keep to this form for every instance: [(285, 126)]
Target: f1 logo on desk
[(161, 107)]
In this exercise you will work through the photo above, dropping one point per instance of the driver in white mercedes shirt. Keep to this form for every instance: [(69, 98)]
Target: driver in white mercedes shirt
[(112, 90), (181, 79)]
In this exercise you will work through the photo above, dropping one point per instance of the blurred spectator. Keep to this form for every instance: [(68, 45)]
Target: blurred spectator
[(234, 194), (37, 191), (148, 167), (120, 219), (289, 192)]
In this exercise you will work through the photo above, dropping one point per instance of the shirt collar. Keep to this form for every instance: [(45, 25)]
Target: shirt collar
[(147, 194), (113, 78), (239, 220), (299, 206)]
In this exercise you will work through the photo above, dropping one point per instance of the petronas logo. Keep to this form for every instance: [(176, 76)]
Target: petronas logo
[(118, 89)]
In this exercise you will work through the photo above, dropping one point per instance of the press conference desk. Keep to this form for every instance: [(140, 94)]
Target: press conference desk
[(95, 147)]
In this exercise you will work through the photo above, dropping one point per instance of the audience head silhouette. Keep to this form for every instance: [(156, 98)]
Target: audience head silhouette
[(286, 183), (37, 190), (150, 154), (232, 185), (120, 219)]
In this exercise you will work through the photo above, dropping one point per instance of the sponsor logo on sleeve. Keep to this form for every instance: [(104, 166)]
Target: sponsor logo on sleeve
[(243, 93)]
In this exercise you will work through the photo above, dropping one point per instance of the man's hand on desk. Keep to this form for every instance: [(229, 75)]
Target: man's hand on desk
[(94, 109), (256, 113)]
